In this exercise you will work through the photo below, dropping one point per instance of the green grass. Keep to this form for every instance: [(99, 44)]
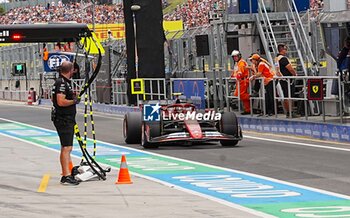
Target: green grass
[(172, 5)]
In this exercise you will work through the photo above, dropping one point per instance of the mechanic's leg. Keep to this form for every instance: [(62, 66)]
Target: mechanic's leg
[(65, 159)]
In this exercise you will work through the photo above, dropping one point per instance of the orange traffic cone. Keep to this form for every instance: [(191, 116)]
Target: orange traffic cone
[(124, 176), (70, 167)]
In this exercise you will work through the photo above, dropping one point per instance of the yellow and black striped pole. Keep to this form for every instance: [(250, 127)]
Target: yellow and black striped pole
[(86, 157)]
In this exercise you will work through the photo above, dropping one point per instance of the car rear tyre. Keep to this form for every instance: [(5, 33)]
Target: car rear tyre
[(132, 127), (154, 131), (229, 125)]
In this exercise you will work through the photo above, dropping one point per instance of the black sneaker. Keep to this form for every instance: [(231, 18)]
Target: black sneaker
[(69, 180)]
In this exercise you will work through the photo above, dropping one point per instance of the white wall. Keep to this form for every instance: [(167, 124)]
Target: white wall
[(335, 5)]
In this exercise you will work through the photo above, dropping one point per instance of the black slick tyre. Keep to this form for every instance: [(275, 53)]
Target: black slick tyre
[(132, 127), (229, 125)]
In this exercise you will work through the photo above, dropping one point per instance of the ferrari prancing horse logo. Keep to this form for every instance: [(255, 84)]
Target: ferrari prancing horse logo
[(315, 89)]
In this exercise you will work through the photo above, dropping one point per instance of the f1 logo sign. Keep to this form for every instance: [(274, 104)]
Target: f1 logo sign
[(55, 61)]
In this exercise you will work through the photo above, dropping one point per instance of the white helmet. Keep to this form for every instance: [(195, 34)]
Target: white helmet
[(235, 53)]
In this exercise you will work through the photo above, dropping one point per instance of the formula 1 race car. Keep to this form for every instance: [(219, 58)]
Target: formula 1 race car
[(179, 122)]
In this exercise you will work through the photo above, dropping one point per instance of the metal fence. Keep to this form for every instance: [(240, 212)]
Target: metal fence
[(21, 53), (310, 107), (46, 86), (14, 95), (119, 87)]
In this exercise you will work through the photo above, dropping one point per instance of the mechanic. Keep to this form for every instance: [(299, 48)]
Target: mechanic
[(263, 69), (285, 68), (241, 73), (63, 117)]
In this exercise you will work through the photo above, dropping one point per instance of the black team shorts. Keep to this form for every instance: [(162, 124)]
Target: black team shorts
[(284, 86), (65, 130)]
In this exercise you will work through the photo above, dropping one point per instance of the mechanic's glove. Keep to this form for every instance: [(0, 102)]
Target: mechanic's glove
[(76, 99)]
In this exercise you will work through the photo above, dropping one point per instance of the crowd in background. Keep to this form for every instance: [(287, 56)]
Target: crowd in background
[(104, 14), (316, 6), (193, 13)]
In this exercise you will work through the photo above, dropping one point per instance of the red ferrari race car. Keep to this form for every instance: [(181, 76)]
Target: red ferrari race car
[(163, 123)]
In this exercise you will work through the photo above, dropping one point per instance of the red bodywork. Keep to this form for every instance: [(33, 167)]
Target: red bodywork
[(188, 130)]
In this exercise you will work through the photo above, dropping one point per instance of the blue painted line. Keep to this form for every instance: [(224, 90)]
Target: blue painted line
[(240, 194)]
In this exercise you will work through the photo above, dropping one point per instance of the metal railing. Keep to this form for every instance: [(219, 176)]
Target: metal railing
[(310, 106), (299, 36), (269, 39), (119, 88), (231, 84), (154, 89), (76, 84), (14, 95), (261, 95), (304, 92)]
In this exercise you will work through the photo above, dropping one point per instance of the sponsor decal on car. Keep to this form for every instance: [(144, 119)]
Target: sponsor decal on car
[(192, 115), (152, 112)]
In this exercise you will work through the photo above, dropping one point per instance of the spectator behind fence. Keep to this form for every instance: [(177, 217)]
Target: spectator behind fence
[(343, 64), (263, 69), (285, 68), (343, 56), (194, 13)]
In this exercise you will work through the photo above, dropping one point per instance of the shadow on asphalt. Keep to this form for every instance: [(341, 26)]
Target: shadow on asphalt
[(179, 146)]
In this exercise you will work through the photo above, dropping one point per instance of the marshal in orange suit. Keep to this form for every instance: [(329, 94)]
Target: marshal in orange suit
[(241, 73)]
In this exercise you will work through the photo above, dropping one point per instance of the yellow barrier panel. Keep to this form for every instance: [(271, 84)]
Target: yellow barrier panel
[(117, 30), (89, 44), (137, 86)]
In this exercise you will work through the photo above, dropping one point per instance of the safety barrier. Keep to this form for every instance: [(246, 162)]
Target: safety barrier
[(154, 89), (76, 84), (327, 82), (260, 98), (14, 95), (312, 107), (230, 85), (119, 87)]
